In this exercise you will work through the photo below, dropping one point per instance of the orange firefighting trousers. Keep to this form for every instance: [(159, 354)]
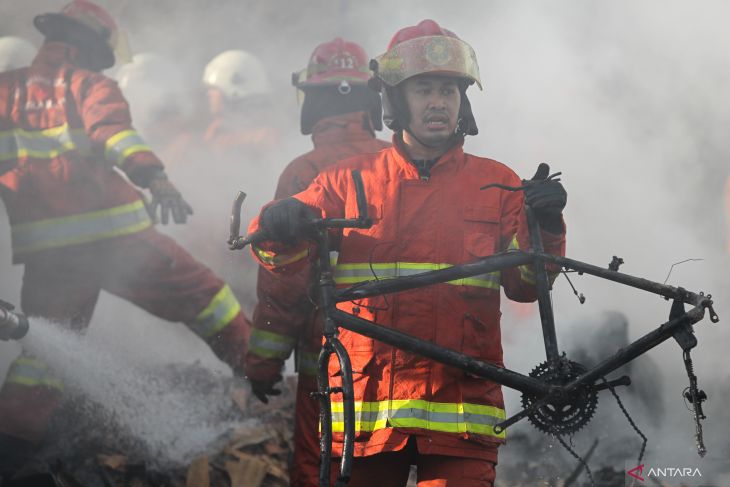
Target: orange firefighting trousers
[(391, 469), (149, 270)]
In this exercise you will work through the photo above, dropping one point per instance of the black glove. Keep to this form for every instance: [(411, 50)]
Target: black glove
[(168, 198), (262, 389), (286, 220), (547, 198)]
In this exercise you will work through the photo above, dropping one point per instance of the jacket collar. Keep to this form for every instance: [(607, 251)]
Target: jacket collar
[(455, 154), (350, 127)]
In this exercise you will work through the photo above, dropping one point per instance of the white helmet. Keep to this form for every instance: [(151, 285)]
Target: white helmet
[(15, 52), (153, 85), (237, 74)]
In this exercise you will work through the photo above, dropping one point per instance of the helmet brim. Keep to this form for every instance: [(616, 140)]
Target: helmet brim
[(449, 56), (54, 25), (353, 77)]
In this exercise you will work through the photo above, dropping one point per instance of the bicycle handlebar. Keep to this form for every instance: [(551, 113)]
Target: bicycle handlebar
[(237, 242)]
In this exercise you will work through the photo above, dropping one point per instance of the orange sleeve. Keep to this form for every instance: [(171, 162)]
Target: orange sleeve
[(519, 282), (107, 122)]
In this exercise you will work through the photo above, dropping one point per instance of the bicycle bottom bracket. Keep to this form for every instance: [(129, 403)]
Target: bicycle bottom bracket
[(567, 413)]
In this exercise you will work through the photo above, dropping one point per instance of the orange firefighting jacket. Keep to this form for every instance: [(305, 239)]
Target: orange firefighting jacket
[(65, 132), (421, 225), (285, 314), (228, 136)]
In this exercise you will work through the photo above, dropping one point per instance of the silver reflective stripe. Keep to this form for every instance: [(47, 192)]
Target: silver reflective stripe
[(429, 416), (124, 144), (77, 229), (354, 273), (32, 372), (308, 363), (268, 344), (42, 144), (220, 311), (445, 417)]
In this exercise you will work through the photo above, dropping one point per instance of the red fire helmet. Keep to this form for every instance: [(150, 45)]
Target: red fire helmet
[(427, 48), (83, 14), (333, 63)]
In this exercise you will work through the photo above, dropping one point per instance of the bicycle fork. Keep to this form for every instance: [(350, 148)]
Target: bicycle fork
[(332, 345)]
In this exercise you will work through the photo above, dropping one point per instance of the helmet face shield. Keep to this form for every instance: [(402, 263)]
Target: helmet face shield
[(428, 55)]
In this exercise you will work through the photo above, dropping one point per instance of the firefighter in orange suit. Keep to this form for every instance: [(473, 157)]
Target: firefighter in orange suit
[(77, 225), (234, 148), (239, 102), (428, 213), (342, 114)]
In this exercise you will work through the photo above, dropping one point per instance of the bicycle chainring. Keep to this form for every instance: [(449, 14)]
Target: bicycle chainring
[(569, 413)]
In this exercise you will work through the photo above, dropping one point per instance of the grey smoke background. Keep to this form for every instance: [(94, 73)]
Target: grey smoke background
[(628, 99)]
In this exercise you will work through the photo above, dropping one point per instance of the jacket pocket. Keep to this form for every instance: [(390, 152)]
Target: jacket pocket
[(478, 244), (479, 215), (481, 231)]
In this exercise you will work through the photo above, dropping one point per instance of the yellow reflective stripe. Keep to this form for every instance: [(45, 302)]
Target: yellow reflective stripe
[(418, 413), (123, 144), (32, 372), (220, 312), (83, 228), (273, 259), (526, 272), (489, 283), (268, 344), (358, 272), (42, 144)]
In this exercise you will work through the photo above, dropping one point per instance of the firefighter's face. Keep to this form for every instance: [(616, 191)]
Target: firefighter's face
[(433, 101)]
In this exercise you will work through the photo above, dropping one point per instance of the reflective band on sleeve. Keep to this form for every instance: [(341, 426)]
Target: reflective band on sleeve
[(124, 144), (42, 144), (355, 273), (268, 344), (76, 229), (222, 309), (416, 413), (526, 272), (32, 372), (278, 260), (308, 363)]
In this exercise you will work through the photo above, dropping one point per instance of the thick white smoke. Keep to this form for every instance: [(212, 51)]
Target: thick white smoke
[(627, 99)]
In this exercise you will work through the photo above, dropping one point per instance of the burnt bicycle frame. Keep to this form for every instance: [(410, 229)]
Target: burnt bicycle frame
[(678, 326)]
